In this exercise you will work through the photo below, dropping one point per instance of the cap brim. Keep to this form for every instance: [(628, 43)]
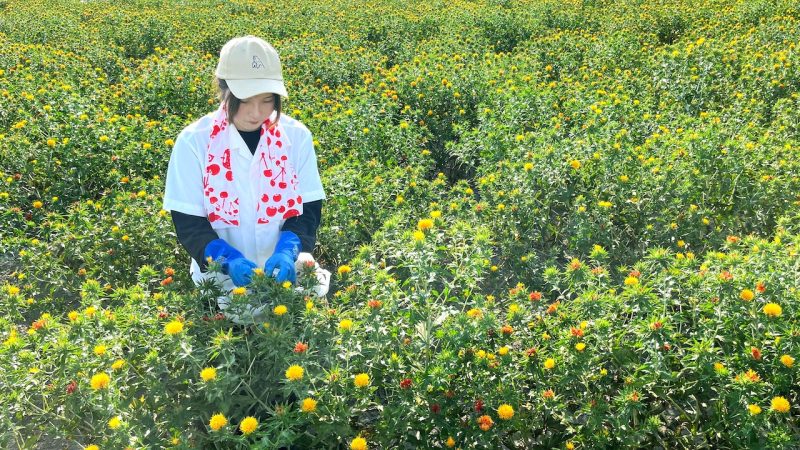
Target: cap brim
[(243, 89)]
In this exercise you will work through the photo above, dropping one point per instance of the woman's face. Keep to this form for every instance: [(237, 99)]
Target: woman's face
[(254, 111)]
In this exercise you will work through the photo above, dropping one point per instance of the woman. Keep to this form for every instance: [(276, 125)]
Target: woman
[(243, 185)]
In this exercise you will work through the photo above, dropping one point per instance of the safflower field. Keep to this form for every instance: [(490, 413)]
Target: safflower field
[(551, 224)]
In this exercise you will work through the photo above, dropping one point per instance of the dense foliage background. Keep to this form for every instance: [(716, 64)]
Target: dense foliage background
[(553, 224)]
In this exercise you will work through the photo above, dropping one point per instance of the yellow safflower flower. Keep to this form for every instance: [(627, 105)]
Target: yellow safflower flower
[(631, 281), (505, 411), (503, 351), (344, 270), (358, 443), (217, 421), (746, 295), (575, 164), (309, 405), (173, 327), (474, 313), (248, 425), (114, 422), (100, 350), (450, 442), (754, 409), (780, 404), (280, 310), (361, 380), (118, 364), (425, 224), (208, 374), (787, 360), (345, 325), (100, 381), (580, 346), (773, 309), (241, 290), (549, 363), (294, 373)]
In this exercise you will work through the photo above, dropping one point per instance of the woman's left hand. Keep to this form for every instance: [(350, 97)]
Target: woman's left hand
[(281, 266)]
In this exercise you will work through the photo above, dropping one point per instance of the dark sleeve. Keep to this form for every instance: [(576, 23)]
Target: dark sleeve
[(305, 225), (194, 233)]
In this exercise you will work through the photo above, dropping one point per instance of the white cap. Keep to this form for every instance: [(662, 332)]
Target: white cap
[(250, 66)]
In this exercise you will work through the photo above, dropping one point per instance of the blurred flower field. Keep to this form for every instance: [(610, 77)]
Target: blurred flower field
[(552, 224)]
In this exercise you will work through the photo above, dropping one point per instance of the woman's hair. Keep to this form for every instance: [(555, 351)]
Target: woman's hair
[(227, 98)]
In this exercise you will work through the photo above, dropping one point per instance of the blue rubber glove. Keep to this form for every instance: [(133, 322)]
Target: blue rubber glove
[(234, 264), (281, 263)]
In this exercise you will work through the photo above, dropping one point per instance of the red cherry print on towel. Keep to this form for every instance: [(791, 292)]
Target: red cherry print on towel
[(268, 173), (226, 159), (276, 197), (213, 169), (279, 144), (282, 185), (229, 175), (281, 209), (269, 141), (277, 133), (290, 202), (213, 217), (213, 199), (291, 213), (265, 198), (300, 199), (283, 157), (271, 211), (223, 194)]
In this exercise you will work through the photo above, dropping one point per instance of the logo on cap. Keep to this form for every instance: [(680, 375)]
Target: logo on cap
[(257, 64)]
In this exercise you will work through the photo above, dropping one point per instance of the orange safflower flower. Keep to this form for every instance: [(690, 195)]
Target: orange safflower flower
[(485, 422), (300, 347)]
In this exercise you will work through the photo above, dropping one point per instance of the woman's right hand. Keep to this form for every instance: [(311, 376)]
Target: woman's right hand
[(241, 271), (234, 264)]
